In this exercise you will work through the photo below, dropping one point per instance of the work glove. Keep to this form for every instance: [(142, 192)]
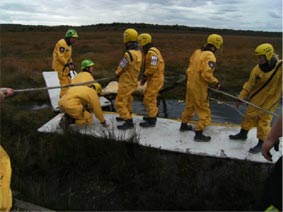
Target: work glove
[(143, 80), (238, 103), (71, 66), (218, 86), (87, 108)]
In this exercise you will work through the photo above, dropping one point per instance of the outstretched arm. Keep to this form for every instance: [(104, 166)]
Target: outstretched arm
[(272, 138)]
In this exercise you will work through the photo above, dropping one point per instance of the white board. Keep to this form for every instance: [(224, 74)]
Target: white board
[(51, 79), (166, 136)]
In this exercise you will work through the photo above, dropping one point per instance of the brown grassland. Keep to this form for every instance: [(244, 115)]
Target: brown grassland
[(27, 51), (76, 172)]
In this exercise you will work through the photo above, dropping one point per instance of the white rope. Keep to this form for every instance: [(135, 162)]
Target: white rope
[(221, 102), (61, 86), (237, 98)]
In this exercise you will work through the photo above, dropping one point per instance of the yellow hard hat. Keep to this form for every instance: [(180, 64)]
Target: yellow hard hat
[(265, 49), (216, 40), (97, 87), (130, 35), (144, 39)]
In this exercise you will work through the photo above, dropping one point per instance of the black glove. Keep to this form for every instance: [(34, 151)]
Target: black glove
[(217, 86), (71, 65), (87, 108), (143, 80)]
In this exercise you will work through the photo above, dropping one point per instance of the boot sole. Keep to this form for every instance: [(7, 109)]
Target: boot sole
[(147, 126), (119, 119), (199, 140), (254, 152), (240, 139), (186, 130)]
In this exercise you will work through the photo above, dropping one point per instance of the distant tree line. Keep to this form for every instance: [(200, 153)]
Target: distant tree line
[(138, 26)]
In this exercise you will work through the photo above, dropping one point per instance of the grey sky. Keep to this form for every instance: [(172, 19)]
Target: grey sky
[(260, 15)]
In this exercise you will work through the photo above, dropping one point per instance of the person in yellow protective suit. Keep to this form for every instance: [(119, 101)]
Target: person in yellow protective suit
[(80, 100), (199, 75), (264, 89), (5, 180), (62, 58), (128, 73), (5, 166), (154, 76)]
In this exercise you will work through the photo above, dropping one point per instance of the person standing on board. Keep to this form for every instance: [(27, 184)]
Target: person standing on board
[(199, 75), (5, 166), (128, 73), (153, 75), (264, 89), (80, 101), (62, 58)]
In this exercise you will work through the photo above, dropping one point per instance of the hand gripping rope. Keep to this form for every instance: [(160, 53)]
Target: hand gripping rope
[(237, 98)]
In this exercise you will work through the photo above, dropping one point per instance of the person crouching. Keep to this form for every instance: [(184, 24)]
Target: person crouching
[(80, 101)]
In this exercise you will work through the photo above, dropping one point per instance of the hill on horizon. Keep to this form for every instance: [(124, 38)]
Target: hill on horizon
[(137, 26)]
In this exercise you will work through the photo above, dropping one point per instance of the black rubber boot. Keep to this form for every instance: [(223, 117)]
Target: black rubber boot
[(150, 122), (199, 137), (127, 125), (242, 135), (145, 118), (184, 127), (65, 121), (118, 118), (257, 148)]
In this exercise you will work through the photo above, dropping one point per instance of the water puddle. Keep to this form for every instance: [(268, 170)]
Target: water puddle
[(224, 112), (221, 113), (33, 106)]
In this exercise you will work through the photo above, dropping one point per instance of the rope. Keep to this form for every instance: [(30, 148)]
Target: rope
[(237, 98), (220, 102), (61, 86)]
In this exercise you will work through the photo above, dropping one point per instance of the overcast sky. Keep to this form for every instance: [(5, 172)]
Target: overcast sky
[(263, 15)]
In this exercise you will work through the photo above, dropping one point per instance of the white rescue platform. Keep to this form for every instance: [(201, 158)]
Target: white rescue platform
[(51, 79), (166, 136)]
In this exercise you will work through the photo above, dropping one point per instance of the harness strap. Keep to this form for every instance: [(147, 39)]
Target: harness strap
[(131, 56), (270, 78)]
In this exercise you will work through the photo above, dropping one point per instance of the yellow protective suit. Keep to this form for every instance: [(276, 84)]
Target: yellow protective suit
[(199, 75), (83, 77), (267, 98), (62, 54), (128, 72), (5, 180), (76, 99), (154, 72)]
